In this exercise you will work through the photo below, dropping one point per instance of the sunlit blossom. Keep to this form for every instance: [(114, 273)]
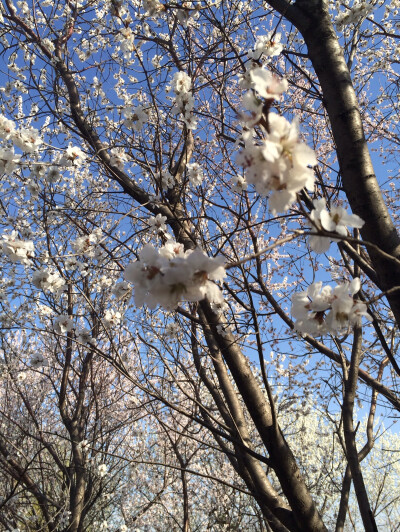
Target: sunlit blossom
[(336, 220), (195, 174), (268, 45), (169, 275), (17, 250), (63, 324), (280, 165), (320, 309)]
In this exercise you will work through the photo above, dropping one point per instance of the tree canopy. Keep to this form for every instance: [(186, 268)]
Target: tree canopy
[(200, 257)]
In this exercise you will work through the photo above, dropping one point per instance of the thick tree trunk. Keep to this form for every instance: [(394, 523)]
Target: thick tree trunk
[(305, 513)]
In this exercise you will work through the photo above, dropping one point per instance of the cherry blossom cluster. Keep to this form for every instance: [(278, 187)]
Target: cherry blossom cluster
[(172, 330), (336, 221), (181, 85), (72, 157), (266, 45), (84, 336), (63, 324), (266, 84), (195, 174), (25, 138), (112, 318), (239, 183), (135, 117), (102, 470), (169, 275), (8, 160), (118, 157), (262, 80), (167, 179), (17, 250), (157, 223), (185, 13), (321, 310), (125, 38), (263, 85), (152, 7), (279, 165), (121, 290), (354, 14), (48, 281), (86, 245)]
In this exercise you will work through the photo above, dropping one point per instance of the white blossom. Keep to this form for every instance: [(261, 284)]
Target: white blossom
[(125, 38), (320, 310), (220, 307), (44, 311), (21, 376), (280, 165), (7, 128), (239, 183), (254, 106), (85, 245), (27, 139), (38, 170), (8, 160), (135, 117), (167, 180), (169, 275), (184, 15), (267, 84), (152, 7), (33, 188), (195, 174), (181, 84), (244, 78), (118, 158), (268, 45), (157, 223), (63, 324), (73, 156), (17, 250), (156, 61), (112, 318), (48, 281), (354, 14), (172, 330), (23, 6), (335, 221), (53, 174), (48, 43), (72, 263), (84, 336), (121, 290), (83, 444)]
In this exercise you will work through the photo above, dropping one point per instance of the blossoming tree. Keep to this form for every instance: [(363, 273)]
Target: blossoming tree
[(191, 216)]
